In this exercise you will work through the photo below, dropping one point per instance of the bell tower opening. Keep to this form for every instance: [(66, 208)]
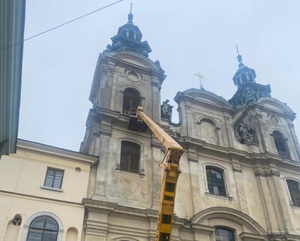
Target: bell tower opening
[(131, 100), (281, 145)]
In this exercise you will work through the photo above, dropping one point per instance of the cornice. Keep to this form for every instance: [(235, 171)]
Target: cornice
[(153, 71), (220, 106), (189, 142), (203, 147), (282, 236), (38, 198), (244, 111), (92, 204), (56, 151)]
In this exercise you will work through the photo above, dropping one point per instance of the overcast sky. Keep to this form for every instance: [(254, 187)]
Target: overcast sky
[(185, 36)]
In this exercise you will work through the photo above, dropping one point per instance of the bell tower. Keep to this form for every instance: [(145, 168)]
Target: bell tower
[(125, 77)]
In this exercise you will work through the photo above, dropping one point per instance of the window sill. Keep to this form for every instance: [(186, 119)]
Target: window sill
[(142, 174), (52, 189), (295, 206), (230, 198)]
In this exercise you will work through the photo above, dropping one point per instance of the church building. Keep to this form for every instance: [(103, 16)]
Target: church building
[(240, 171)]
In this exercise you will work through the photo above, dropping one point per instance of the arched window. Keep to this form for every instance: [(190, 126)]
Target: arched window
[(294, 189), (130, 156), (215, 180), (281, 145), (43, 228), (224, 234), (131, 100)]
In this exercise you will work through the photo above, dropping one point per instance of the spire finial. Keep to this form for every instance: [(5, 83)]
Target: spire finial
[(130, 15), (239, 57), (201, 77), (237, 49)]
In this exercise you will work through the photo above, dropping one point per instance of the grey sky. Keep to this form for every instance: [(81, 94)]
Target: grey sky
[(185, 36)]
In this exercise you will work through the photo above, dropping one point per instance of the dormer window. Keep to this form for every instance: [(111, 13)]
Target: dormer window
[(281, 144)]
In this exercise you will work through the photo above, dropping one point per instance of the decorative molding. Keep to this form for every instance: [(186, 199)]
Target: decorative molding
[(96, 131), (227, 118), (193, 160), (227, 197), (236, 167), (251, 237), (266, 171), (103, 130), (274, 119), (192, 156), (96, 228), (156, 84), (222, 212), (108, 69), (277, 237), (133, 75)]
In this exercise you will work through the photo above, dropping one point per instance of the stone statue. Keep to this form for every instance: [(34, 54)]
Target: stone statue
[(166, 110), (244, 134)]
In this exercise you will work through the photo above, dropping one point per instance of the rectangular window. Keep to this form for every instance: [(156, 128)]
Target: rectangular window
[(130, 156), (215, 181), (54, 178)]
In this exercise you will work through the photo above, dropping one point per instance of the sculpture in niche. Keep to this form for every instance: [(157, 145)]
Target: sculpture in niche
[(245, 134), (166, 110)]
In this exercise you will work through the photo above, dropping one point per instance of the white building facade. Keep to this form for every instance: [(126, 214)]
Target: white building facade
[(41, 192)]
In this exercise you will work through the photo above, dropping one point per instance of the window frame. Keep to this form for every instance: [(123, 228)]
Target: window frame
[(137, 98), (34, 216), (43, 230), (292, 200), (231, 230), (54, 176), (280, 142), (212, 184), (225, 180), (140, 170)]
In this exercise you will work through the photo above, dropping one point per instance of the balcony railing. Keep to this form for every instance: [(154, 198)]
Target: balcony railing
[(284, 154)]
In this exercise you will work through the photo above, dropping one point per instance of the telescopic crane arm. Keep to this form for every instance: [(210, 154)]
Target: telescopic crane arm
[(170, 164)]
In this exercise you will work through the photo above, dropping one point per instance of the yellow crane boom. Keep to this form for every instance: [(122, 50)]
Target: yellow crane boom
[(170, 164)]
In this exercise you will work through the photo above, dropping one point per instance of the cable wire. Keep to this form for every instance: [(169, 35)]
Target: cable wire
[(63, 24)]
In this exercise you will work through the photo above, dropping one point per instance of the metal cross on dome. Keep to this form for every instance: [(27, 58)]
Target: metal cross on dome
[(201, 77)]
